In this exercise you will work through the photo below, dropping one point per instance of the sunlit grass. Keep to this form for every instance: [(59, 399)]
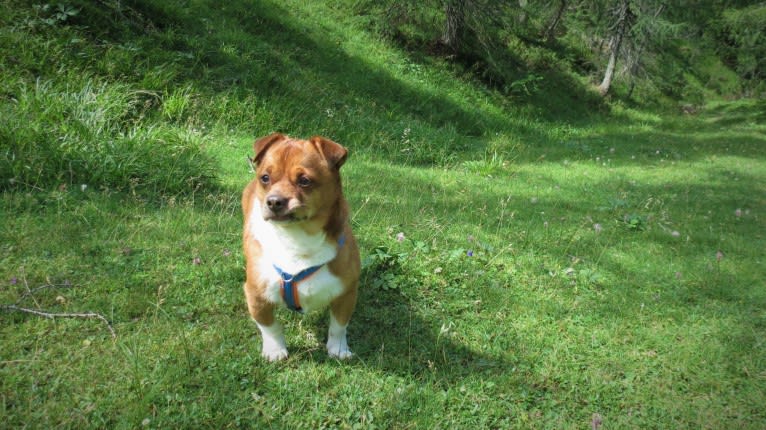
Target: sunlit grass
[(520, 272)]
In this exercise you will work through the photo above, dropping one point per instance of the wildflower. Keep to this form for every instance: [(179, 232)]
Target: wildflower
[(469, 253), (83, 187), (675, 233), (719, 255), (438, 270), (533, 200), (738, 213), (400, 237), (197, 261), (226, 252), (14, 280), (545, 224), (678, 275), (597, 228)]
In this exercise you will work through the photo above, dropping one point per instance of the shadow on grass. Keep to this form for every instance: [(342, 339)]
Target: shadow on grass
[(303, 79), (391, 334)]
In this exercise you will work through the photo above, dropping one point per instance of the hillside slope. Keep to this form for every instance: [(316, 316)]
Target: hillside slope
[(539, 258)]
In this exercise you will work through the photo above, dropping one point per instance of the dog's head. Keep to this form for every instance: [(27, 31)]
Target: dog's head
[(298, 180)]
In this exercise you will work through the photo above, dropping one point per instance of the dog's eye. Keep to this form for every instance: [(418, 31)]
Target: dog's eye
[(265, 179), (304, 181)]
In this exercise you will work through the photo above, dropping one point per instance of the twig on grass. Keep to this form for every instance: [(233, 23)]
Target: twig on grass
[(54, 315), (30, 292)]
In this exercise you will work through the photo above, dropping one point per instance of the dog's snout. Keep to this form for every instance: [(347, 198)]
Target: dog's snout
[(276, 203)]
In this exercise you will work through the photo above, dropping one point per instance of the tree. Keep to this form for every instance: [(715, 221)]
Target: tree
[(549, 33), (454, 23), (745, 29), (636, 33), (621, 27)]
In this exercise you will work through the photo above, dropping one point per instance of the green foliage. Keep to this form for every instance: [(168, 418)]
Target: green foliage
[(746, 28)]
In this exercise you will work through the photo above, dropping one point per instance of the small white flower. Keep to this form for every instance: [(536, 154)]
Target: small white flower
[(738, 213), (675, 233), (83, 187)]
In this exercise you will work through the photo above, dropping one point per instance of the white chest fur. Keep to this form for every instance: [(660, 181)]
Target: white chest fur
[(291, 249)]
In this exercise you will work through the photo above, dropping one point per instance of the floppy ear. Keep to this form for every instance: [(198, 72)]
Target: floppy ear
[(261, 145), (333, 152)]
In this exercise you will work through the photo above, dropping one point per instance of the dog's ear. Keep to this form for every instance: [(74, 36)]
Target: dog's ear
[(333, 152), (261, 145)]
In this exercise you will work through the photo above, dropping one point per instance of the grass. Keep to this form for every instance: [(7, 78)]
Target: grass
[(520, 271)]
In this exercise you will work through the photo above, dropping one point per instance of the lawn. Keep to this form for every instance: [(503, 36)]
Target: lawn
[(599, 269)]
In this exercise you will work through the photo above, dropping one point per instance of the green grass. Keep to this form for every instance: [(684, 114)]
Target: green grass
[(551, 267)]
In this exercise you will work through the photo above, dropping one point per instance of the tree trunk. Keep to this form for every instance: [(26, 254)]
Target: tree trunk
[(614, 49), (550, 31), (615, 42), (454, 11), (523, 16)]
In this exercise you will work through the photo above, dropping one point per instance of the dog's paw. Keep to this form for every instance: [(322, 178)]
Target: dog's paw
[(339, 351), (275, 353), (274, 347)]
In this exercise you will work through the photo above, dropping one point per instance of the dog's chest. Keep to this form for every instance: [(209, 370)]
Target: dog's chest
[(292, 250), (314, 293)]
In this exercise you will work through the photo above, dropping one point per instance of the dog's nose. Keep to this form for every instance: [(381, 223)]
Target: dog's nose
[(276, 203)]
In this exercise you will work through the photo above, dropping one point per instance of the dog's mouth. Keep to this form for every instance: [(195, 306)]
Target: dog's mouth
[(283, 217)]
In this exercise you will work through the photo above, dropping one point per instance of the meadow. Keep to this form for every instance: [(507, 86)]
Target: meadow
[(544, 261)]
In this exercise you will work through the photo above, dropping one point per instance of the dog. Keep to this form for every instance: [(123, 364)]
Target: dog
[(299, 249)]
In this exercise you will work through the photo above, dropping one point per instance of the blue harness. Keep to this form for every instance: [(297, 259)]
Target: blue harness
[(289, 282)]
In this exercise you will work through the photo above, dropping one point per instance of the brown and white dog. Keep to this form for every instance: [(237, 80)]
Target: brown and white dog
[(298, 244)]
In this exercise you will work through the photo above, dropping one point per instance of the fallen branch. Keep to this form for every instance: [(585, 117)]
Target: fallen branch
[(54, 315)]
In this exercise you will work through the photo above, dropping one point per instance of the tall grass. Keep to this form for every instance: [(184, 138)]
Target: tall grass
[(90, 132)]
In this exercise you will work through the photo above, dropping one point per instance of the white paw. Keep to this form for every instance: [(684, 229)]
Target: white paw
[(337, 345), (274, 353), (274, 347), (339, 351)]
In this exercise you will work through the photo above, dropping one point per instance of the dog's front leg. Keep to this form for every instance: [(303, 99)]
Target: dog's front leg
[(340, 314), (262, 312), (274, 346)]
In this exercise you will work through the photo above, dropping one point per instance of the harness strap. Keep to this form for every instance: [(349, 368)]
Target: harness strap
[(289, 287), (289, 282)]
